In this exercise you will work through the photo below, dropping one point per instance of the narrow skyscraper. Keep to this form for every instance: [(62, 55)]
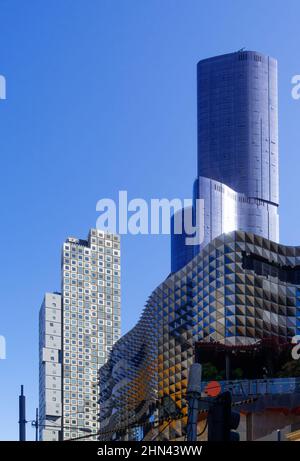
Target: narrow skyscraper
[(238, 123), (237, 149), (87, 324), (50, 395)]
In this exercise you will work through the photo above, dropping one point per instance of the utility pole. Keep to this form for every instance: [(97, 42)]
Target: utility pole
[(193, 397), (36, 424), (22, 416)]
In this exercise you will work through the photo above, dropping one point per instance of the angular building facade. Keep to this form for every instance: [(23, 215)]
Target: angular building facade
[(87, 323), (240, 289)]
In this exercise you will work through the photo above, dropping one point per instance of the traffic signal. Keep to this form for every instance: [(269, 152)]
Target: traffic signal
[(222, 421)]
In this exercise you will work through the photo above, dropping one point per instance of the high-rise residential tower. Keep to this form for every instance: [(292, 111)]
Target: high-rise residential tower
[(50, 363), (237, 175), (87, 324)]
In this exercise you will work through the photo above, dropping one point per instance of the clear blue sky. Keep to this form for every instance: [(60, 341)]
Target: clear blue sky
[(101, 96)]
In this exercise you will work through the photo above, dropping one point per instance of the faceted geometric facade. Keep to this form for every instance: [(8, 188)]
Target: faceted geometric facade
[(239, 289), (129, 378)]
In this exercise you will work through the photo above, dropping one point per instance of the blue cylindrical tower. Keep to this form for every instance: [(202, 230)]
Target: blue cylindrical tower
[(237, 178), (238, 123)]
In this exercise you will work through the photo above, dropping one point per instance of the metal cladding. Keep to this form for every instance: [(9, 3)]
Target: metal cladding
[(226, 210), (238, 177), (239, 289), (238, 123)]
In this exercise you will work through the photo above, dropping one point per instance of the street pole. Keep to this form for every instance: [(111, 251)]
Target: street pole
[(36, 425), (193, 397), (22, 416)]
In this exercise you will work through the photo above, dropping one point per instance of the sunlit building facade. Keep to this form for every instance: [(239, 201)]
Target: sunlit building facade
[(237, 177), (89, 325), (239, 290), (50, 368)]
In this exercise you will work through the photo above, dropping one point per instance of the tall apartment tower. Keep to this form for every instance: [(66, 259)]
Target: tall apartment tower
[(237, 176), (89, 326), (50, 368)]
